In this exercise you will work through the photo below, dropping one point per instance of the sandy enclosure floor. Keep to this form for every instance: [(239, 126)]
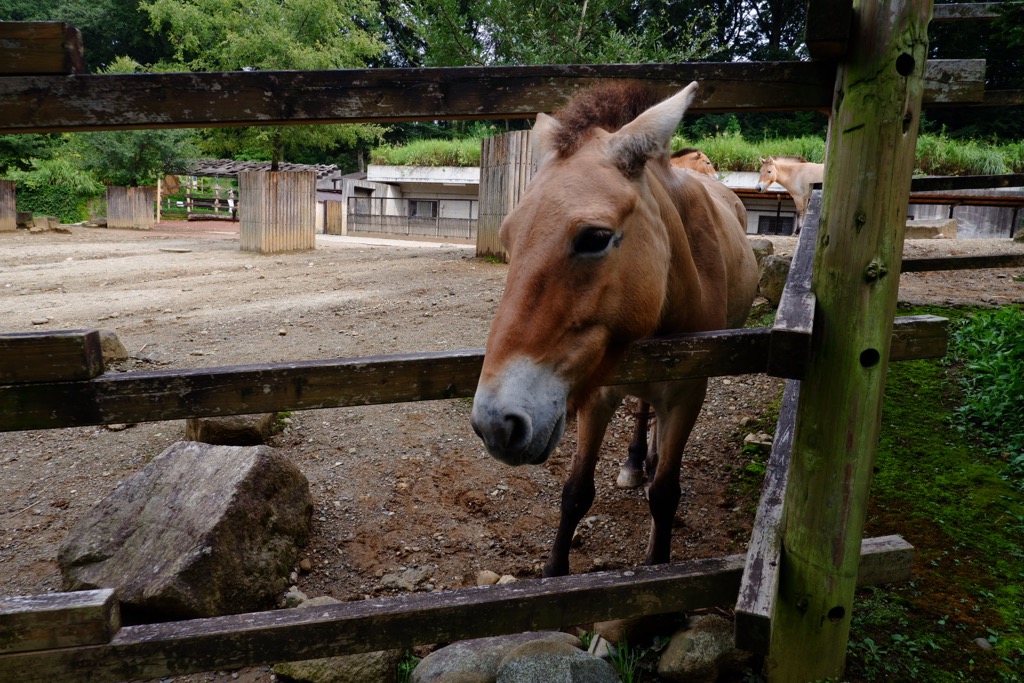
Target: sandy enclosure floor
[(396, 486)]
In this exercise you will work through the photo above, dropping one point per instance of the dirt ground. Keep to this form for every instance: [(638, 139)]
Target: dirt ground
[(395, 487)]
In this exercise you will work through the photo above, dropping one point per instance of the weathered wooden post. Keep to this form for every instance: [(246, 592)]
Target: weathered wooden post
[(277, 211), (131, 207), (506, 166), (8, 212), (869, 163)]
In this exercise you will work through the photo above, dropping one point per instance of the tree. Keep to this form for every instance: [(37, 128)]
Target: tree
[(231, 35)]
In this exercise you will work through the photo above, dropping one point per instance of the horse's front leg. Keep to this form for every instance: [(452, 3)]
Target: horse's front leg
[(680, 414), (578, 491), (631, 474)]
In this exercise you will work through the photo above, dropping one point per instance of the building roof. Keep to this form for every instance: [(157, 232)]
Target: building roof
[(228, 168)]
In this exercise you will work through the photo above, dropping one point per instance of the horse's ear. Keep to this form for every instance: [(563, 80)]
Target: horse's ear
[(542, 137), (649, 135)]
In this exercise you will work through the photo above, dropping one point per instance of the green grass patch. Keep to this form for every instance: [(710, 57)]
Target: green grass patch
[(953, 498), (429, 153)]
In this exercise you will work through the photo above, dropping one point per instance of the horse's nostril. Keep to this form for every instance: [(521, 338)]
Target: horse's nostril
[(517, 431)]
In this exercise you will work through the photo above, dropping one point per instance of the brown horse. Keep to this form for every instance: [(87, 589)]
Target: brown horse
[(608, 245), (796, 174), (695, 160)]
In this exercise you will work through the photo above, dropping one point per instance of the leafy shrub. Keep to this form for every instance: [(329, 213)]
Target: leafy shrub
[(54, 187), (430, 153), (990, 346)]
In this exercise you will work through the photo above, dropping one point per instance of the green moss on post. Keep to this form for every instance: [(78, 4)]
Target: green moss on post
[(869, 163)]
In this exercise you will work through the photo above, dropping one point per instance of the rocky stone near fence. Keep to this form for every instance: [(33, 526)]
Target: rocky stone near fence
[(24, 220), (95, 222), (479, 660), (200, 531), (112, 348), (1019, 237), (763, 248), (931, 229), (368, 667), (547, 661), (232, 430), (703, 652), (772, 280)]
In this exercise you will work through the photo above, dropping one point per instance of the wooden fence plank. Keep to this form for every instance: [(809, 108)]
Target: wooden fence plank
[(55, 620), (40, 47), (920, 265), (794, 319), (305, 385), (188, 100), (52, 357), (8, 207), (174, 648)]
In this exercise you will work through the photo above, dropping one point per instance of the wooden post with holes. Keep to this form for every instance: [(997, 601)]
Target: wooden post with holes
[(869, 163)]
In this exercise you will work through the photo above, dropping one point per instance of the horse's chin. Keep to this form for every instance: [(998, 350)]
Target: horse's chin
[(538, 452)]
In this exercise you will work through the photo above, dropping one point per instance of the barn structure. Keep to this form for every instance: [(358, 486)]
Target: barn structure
[(833, 338)]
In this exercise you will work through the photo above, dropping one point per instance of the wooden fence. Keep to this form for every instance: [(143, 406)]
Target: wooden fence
[(277, 211), (833, 337), (8, 209), (131, 207), (506, 166)]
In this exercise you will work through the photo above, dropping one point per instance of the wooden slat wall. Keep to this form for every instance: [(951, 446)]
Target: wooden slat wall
[(506, 166), (334, 218), (277, 211), (8, 212), (131, 207)]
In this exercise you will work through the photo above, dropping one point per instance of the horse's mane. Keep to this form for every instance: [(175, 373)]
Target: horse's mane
[(790, 157), (684, 151), (608, 106)]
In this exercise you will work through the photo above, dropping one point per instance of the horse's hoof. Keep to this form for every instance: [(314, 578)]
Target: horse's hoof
[(629, 478)]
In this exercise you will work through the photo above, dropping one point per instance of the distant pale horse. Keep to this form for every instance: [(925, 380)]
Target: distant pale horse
[(796, 175), (695, 160)]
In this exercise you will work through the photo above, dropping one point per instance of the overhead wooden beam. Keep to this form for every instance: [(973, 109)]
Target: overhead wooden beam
[(46, 104), (966, 11), (237, 390), (180, 647), (40, 47)]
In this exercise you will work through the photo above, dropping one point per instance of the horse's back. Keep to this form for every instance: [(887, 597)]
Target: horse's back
[(716, 223)]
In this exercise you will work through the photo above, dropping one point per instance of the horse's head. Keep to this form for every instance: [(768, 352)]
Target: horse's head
[(695, 160), (769, 174), (588, 273)]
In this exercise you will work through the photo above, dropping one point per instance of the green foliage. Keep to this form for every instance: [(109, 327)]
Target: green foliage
[(222, 35), (406, 665), (17, 151), (952, 501), (133, 157), (939, 155), (429, 153), (736, 153), (54, 187), (990, 345)]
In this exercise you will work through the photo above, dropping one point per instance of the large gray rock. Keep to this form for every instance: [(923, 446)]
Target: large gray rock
[(772, 281), (201, 531), (478, 660), (548, 661), (703, 652), (111, 347), (232, 430), (763, 248), (369, 667), (922, 229)]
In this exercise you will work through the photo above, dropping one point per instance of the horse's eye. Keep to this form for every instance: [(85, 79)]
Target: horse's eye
[(592, 240)]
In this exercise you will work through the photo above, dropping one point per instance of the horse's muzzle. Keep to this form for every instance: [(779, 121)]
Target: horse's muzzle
[(520, 414)]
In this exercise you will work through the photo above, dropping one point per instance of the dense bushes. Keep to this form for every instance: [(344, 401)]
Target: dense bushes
[(54, 187)]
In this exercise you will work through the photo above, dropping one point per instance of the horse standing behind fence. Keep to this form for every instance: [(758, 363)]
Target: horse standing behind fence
[(796, 175), (695, 160), (607, 245)]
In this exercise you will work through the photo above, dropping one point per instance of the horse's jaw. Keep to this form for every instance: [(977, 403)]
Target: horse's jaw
[(519, 413)]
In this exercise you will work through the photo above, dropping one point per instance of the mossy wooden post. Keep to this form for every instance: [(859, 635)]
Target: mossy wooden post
[(869, 163)]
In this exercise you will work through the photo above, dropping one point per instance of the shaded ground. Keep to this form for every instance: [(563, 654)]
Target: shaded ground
[(394, 486)]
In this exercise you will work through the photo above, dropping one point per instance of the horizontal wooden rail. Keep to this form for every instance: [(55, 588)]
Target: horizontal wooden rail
[(47, 104), (236, 390), (174, 648), (920, 265)]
